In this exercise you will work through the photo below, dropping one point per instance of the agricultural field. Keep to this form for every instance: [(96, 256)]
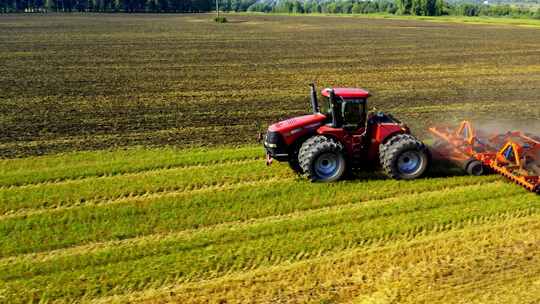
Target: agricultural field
[(76, 82), (217, 225), (129, 169)]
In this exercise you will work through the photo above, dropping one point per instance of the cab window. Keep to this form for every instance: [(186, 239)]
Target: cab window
[(353, 112)]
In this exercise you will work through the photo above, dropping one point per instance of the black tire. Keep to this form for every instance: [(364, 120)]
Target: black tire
[(384, 146), (293, 161), (322, 160), (474, 167), (404, 157), (295, 165)]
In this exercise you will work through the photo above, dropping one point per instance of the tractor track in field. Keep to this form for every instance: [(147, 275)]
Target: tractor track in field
[(297, 214)]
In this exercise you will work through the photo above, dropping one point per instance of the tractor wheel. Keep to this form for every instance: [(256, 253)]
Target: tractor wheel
[(405, 157), (295, 165), (293, 161), (384, 147), (474, 167), (321, 158)]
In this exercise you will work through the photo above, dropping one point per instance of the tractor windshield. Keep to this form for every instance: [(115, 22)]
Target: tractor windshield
[(325, 106), (350, 113)]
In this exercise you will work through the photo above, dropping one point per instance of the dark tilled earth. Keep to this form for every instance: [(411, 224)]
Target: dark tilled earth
[(72, 82)]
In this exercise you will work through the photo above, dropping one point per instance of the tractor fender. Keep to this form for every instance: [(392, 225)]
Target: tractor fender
[(386, 138), (378, 145)]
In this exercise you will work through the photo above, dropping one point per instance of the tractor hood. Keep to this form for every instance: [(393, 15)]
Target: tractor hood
[(297, 124)]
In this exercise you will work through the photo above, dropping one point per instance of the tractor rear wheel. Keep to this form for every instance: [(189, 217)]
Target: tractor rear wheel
[(404, 157), (321, 158), (384, 147)]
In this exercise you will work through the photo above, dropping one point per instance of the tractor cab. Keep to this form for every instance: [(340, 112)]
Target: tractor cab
[(344, 107)]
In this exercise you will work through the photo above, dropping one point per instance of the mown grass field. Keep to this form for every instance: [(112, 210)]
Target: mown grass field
[(203, 220), (217, 225), (97, 81)]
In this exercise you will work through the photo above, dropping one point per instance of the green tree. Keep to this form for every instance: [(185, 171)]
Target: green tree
[(404, 7), (346, 7), (356, 8), (297, 7), (416, 8), (315, 7), (439, 7)]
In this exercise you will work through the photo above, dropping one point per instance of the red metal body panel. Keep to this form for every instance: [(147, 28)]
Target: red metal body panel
[(339, 134), (381, 132), (294, 128), (347, 93), (355, 142)]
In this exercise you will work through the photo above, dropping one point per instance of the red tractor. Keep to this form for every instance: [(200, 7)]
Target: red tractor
[(341, 135)]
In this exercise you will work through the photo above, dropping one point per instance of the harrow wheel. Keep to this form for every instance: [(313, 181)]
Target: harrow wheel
[(474, 167), (321, 158), (404, 157)]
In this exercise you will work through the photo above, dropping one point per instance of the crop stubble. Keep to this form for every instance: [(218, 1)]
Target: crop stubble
[(182, 238)]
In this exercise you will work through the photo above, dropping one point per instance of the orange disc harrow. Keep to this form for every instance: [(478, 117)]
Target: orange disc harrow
[(514, 155)]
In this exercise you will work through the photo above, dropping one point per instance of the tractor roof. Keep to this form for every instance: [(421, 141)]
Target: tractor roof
[(347, 93)]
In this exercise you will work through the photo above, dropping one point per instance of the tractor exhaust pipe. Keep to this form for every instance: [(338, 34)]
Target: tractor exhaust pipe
[(314, 102)]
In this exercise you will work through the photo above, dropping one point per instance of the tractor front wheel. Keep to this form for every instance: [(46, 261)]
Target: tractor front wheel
[(294, 164), (404, 157), (321, 159)]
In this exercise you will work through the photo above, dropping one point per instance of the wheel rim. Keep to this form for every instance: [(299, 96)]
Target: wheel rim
[(410, 162), (477, 169), (327, 165)]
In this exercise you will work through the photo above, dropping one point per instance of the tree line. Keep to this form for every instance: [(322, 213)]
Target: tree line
[(108, 6), (399, 7)]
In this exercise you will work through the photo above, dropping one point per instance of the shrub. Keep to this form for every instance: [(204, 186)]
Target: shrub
[(220, 19)]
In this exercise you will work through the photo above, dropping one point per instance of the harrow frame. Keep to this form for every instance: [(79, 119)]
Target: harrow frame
[(514, 155)]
